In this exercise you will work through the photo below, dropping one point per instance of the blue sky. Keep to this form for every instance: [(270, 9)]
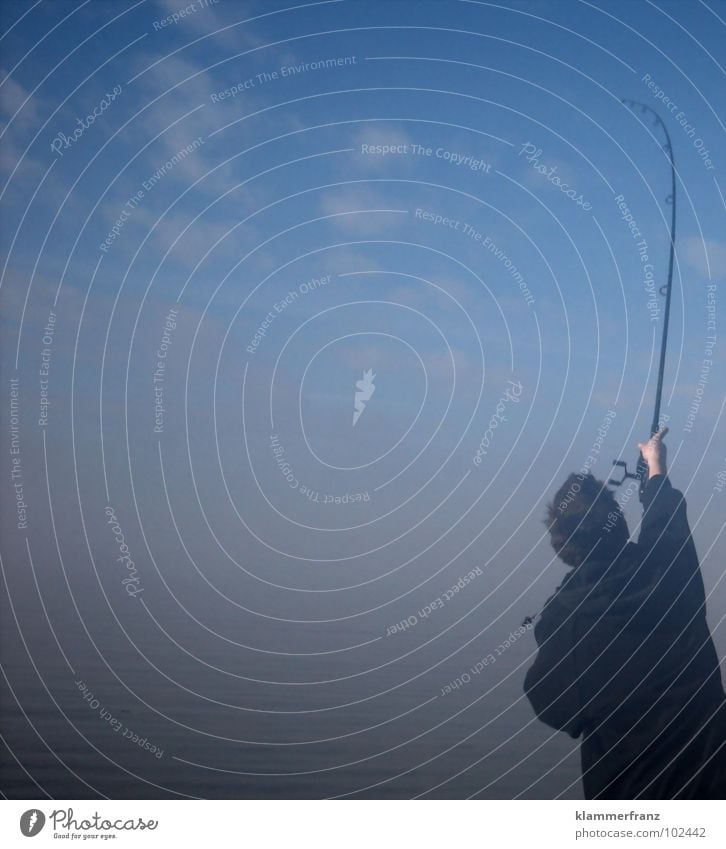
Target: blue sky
[(265, 125)]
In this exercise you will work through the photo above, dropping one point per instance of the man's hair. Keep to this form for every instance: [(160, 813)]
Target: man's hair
[(584, 517)]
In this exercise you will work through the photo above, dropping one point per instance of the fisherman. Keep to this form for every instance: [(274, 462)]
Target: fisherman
[(625, 658)]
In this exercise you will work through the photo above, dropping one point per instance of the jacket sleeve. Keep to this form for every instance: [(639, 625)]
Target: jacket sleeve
[(668, 554), (551, 683)]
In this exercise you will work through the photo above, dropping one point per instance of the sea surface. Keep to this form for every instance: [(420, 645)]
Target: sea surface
[(124, 726)]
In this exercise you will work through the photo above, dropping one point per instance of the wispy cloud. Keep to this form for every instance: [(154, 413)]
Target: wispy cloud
[(359, 210), (370, 142), (19, 119), (707, 256), (209, 20)]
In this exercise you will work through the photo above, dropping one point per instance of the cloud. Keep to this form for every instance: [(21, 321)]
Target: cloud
[(197, 239), (380, 137), (162, 80), (569, 172), (181, 85), (352, 208), (19, 118), (16, 99), (205, 20), (441, 365), (345, 260), (706, 256)]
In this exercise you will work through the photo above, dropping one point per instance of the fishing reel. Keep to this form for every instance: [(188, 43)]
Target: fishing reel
[(640, 474)]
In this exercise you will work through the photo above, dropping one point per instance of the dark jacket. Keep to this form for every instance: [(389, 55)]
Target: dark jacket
[(626, 660)]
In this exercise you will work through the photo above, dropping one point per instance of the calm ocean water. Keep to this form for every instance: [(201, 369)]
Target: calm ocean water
[(374, 735)]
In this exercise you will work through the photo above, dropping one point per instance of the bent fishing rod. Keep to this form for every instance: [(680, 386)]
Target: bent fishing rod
[(641, 469)]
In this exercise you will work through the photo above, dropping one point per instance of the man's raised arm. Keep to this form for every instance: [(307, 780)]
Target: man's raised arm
[(669, 554)]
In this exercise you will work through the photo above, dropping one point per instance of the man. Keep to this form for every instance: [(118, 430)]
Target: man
[(625, 655)]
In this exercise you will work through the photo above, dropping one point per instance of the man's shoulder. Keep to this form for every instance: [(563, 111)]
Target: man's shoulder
[(596, 583)]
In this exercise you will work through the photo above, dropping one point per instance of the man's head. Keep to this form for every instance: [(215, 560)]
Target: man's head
[(584, 518)]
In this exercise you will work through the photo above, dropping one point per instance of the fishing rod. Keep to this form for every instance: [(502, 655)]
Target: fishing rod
[(641, 469)]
